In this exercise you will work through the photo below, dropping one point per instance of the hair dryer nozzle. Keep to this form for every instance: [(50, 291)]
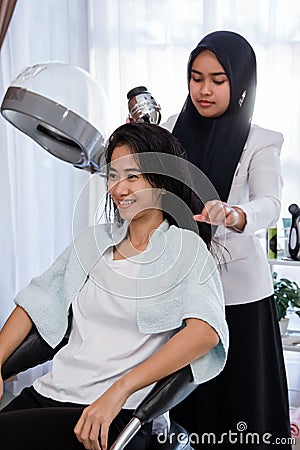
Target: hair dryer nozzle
[(142, 106)]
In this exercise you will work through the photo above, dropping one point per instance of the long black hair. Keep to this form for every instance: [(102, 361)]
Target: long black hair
[(164, 164)]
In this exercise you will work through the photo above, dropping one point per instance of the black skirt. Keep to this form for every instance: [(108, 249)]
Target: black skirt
[(246, 406)]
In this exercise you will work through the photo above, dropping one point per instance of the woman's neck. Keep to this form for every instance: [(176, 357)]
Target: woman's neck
[(140, 229), (139, 234)]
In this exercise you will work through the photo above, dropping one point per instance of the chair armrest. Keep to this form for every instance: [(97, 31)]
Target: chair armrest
[(166, 394), (32, 352)]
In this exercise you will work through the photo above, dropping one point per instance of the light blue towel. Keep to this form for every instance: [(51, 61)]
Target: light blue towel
[(178, 279)]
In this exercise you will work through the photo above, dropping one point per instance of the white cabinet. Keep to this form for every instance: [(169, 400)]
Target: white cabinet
[(291, 340)]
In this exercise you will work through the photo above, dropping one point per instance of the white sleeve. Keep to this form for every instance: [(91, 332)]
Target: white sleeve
[(169, 124), (265, 186)]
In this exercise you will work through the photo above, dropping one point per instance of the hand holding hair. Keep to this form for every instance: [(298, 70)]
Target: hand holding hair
[(216, 212)]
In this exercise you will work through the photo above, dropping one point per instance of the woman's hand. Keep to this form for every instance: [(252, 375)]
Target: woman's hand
[(96, 418), (216, 212)]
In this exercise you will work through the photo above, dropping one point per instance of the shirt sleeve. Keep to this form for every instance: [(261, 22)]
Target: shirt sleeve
[(42, 299), (265, 186)]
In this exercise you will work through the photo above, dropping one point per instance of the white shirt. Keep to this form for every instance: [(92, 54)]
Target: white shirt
[(96, 356), (256, 189)]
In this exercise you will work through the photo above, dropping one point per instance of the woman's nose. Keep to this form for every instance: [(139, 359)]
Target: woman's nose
[(120, 188), (206, 87)]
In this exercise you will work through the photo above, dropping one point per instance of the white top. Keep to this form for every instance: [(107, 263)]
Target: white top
[(95, 357), (256, 189), (177, 280)]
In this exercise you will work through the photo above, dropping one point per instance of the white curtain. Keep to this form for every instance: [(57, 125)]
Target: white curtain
[(123, 44), (37, 191), (137, 42)]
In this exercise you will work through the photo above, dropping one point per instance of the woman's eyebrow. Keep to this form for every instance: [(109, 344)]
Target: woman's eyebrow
[(128, 169), (213, 73), (132, 169)]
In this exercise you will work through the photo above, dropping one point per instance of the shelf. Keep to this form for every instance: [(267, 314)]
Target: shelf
[(291, 341), (283, 262)]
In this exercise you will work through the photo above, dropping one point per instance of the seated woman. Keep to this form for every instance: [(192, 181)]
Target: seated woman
[(146, 301)]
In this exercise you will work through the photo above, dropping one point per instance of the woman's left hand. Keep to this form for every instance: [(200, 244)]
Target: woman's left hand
[(96, 418), (216, 212)]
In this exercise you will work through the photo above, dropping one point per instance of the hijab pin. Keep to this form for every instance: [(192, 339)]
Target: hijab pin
[(242, 98)]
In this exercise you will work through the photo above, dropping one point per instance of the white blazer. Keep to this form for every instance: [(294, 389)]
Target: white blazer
[(256, 189)]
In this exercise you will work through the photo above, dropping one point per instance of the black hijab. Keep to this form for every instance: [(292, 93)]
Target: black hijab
[(215, 145)]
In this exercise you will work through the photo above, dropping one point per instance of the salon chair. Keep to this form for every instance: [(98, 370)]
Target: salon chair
[(165, 394)]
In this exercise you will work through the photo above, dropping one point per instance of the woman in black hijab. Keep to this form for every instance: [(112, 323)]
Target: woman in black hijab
[(242, 162)]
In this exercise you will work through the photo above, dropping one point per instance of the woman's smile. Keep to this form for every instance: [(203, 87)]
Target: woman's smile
[(126, 203)]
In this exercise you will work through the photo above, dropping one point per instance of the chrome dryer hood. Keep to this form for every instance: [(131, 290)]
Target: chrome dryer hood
[(63, 109)]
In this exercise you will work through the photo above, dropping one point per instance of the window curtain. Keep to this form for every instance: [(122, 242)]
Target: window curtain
[(123, 44), (137, 42), (38, 192), (6, 11)]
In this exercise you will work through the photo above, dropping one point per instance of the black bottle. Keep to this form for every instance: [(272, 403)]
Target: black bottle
[(294, 238)]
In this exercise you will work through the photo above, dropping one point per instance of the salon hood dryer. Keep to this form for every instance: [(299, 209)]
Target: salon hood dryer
[(63, 109)]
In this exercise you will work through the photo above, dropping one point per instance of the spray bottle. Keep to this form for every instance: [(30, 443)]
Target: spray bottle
[(294, 237)]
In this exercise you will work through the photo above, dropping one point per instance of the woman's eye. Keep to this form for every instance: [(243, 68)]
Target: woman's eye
[(218, 82), (112, 176), (196, 80), (132, 176)]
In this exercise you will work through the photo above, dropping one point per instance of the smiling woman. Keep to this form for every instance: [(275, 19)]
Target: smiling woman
[(130, 190), (136, 200), (145, 287), (163, 177)]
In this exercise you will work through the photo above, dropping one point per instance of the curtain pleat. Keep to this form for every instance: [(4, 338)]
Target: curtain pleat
[(6, 11)]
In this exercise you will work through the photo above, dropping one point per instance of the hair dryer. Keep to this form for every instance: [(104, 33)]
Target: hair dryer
[(142, 106)]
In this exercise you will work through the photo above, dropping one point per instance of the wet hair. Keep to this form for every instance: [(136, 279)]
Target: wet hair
[(166, 168)]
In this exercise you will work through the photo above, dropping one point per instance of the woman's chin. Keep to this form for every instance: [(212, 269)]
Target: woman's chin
[(127, 215)]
